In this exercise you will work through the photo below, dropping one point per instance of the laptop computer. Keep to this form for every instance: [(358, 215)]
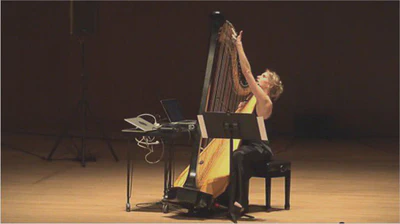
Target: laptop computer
[(141, 123), (173, 111)]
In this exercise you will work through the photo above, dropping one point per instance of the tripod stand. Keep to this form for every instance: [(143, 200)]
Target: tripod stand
[(84, 109)]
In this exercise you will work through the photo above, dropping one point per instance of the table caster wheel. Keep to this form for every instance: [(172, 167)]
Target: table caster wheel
[(128, 207), (165, 208)]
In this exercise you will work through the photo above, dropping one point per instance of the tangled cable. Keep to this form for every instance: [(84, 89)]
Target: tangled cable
[(148, 142)]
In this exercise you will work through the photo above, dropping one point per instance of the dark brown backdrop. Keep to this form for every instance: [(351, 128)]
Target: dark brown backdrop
[(337, 60)]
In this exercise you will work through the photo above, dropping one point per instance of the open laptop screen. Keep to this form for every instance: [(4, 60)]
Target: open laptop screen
[(172, 109)]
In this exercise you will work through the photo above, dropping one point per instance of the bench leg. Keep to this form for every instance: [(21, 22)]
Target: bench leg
[(268, 193), (287, 191)]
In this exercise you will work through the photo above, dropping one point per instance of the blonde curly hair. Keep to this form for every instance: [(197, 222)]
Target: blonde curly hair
[(276, 86)]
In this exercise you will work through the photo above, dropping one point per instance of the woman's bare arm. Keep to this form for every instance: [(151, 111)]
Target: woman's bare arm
[(264, 102)]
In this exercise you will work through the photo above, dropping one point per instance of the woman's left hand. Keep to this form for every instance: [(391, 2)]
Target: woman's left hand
[(241, 105)]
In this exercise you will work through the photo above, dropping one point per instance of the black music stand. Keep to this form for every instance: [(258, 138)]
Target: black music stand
[(232, 126)]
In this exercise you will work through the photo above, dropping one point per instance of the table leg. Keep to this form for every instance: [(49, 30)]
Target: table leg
[(128, 182), (167, 174)]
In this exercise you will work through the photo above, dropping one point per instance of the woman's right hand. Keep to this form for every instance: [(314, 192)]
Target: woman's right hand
[(239, 38)]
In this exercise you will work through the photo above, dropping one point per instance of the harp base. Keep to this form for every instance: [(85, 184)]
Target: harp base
[(188, 198)]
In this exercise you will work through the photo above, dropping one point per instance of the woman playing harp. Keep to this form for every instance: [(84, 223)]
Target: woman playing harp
[(207, 176), (251, 154)]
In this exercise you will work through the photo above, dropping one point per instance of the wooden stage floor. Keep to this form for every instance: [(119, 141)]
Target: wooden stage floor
[(343, 180)]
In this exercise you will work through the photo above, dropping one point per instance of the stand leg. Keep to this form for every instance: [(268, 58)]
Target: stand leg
[(63, 133), (86, 112), (85, 107), (101, 128), (59, 140), (231, 206), (83, 148), (231, 190)]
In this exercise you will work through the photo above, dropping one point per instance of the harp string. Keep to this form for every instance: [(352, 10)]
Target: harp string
[(226, 91)]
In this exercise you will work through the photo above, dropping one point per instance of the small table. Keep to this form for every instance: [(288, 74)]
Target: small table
[(168, 136)]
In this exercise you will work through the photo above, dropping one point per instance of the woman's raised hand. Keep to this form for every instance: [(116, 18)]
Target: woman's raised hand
[(239, 38)]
